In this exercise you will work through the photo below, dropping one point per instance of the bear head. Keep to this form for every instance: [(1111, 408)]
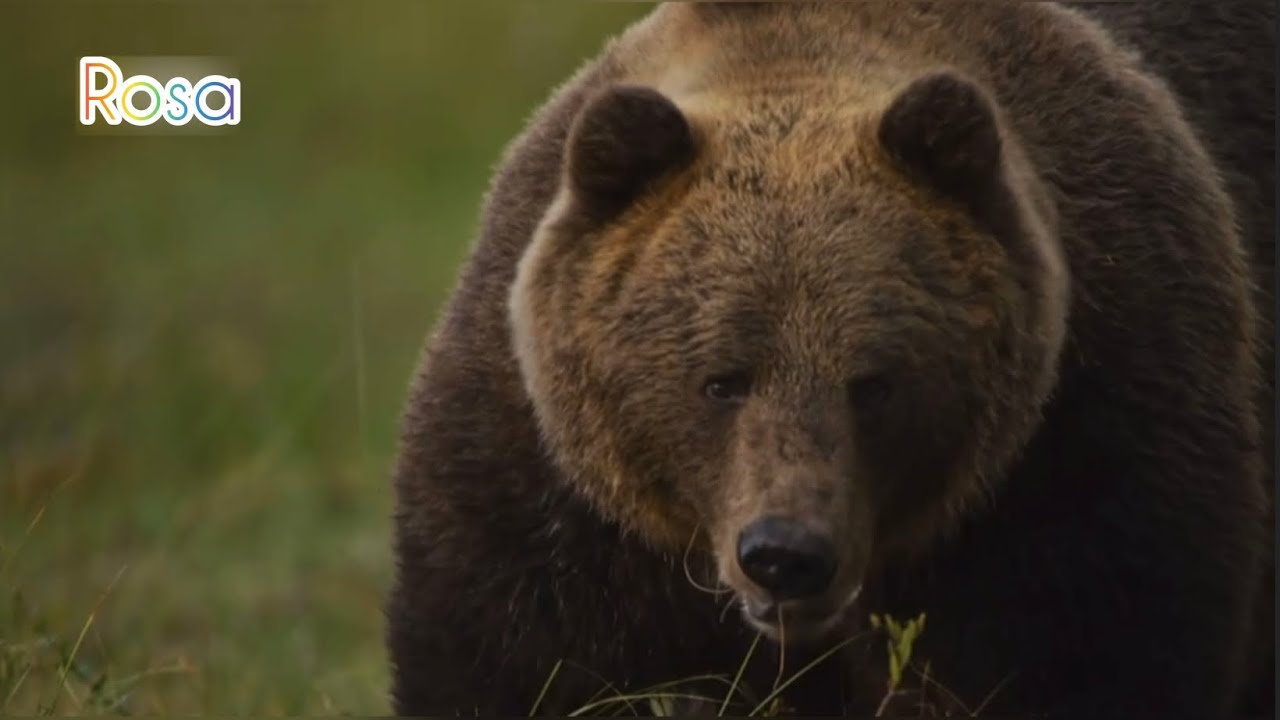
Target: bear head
[(800, 332)]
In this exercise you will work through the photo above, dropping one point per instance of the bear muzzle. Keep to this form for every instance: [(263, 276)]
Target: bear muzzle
[(798, 593), (785, 558)]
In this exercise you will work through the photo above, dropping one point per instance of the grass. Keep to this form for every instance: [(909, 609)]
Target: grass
[(909, 690), (205, 340)]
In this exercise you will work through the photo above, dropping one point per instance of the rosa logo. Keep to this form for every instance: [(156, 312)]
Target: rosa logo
[(141, 100)]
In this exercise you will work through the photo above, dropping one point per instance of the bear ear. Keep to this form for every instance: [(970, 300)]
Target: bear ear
[(943, 130), (624, 140)]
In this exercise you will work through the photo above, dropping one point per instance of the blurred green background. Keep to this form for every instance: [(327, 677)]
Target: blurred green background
[(205, 339)]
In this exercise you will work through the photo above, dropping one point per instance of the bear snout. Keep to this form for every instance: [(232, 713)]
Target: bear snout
[(785, 558)]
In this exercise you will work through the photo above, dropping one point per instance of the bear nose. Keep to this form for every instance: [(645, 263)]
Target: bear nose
[(786, 558)]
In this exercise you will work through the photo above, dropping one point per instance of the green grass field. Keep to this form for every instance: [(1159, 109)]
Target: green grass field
[(205, 340)]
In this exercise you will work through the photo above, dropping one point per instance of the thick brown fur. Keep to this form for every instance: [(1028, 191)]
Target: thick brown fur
[(981, 272)]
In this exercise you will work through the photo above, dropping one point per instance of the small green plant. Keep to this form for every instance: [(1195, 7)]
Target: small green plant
[(900, 639)]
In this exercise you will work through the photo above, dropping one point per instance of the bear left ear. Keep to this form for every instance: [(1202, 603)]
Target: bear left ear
[(625, 139), (942, 129)]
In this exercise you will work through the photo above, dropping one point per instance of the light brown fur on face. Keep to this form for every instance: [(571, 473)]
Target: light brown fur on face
[(795, 246)]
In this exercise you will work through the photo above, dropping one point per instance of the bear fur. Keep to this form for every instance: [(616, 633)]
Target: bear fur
[(967, 285)]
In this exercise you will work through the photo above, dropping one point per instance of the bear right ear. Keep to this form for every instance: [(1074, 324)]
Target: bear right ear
[(943, 130), (624, 140)]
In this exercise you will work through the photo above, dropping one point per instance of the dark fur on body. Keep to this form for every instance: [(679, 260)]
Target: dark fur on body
[(1219, 60), (1110, 567)]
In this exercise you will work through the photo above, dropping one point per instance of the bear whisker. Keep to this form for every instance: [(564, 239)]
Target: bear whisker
[(719, 589)]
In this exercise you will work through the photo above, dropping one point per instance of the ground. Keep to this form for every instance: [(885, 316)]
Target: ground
[(206, 340)]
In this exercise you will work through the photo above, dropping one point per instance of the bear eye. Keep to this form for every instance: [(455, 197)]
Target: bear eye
[(869, 392), (728, 388)]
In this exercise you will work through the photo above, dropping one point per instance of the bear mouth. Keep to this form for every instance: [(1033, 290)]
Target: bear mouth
[(799, 621)]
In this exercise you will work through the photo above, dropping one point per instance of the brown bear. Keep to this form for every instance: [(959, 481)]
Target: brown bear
[(783, 317)]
